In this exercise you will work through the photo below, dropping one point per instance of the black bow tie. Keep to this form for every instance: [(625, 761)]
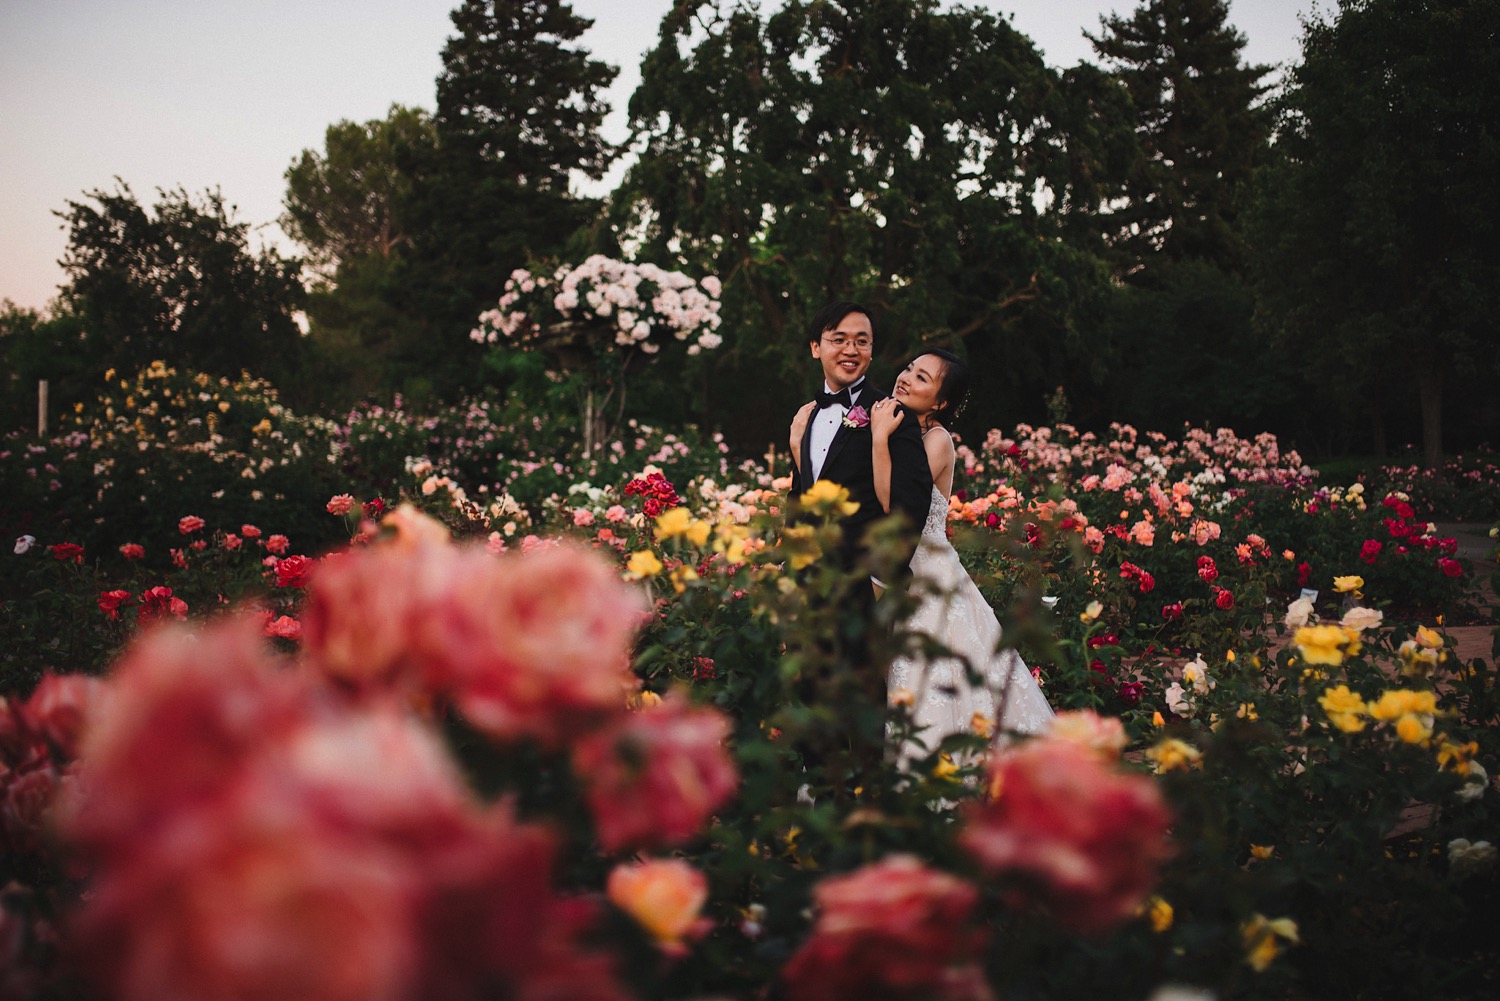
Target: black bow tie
[(826, 399)]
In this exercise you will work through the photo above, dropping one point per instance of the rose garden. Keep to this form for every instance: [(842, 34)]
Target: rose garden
[(430, 618)]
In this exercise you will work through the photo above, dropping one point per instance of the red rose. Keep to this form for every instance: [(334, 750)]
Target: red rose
[(190, 524), (110, 602), (65, 551), (703, 668), (133, 551), (158, 602), (1370, 550), (1304, 574), (1131, 691), (1451, 567), (1223, 598), (892, 929), (1172, 612), (1146, 582), (1207, 570), (293, 571)]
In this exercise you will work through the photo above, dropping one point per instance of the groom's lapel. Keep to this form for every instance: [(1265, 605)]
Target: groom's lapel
[(867, 396)]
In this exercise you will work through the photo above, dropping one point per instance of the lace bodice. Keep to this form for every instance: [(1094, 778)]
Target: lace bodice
[(935, 529)]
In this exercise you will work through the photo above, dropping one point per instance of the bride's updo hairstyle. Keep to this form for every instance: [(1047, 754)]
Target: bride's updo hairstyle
[(954, 392)]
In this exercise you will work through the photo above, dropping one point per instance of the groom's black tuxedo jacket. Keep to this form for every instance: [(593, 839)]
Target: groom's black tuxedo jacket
[(850, 464)]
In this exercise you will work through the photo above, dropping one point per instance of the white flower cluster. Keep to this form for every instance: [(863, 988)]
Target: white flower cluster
[(635, 300)]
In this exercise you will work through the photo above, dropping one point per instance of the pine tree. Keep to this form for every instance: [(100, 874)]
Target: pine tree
[(1201, 128), (518, 111)]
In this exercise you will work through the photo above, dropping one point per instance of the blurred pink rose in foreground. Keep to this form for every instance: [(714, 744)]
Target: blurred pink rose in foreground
[(895, 929), (655, 777), (1073, 831), (253, 835)]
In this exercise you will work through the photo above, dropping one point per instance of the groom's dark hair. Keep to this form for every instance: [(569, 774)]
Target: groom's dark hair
[(832, 315)]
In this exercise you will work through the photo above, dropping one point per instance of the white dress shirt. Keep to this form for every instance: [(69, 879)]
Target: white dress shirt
[(825, 425)]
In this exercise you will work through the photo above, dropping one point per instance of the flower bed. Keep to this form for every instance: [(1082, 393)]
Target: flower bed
[(514, 761)]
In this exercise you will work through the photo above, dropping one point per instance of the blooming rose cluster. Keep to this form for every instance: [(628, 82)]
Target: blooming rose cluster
[(252, 834), (636, 301), (658, 491)]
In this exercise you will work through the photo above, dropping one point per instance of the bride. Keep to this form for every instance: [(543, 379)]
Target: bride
[(950, 608)]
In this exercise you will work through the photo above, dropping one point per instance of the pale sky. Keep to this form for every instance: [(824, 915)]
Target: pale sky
[(203, 93)]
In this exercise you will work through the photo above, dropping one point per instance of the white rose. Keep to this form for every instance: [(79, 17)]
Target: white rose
[(1360, 618), (1465, 858), (1298, 612), (24, 544)]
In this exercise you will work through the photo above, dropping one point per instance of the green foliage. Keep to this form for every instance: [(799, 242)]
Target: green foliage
[(179, 284), (1201, 125), (925, 161), (1375, 238), (518, 109), (350, 201)]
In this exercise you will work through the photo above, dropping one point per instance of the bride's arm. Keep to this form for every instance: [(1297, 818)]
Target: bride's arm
[(884, 419)]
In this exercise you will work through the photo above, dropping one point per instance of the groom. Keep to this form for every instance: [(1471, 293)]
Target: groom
[(831, 435)]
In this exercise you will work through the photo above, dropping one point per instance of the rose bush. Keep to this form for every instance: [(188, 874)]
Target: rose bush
[(442, 776)]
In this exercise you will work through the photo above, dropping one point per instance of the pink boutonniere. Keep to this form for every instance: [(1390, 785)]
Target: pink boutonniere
[(857, 417)]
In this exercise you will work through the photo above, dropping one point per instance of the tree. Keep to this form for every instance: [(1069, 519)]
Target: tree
[(1202, 128), (351, 205), (350, 201), (518, 112), (1377, 234), (926, 161), (178, 283)]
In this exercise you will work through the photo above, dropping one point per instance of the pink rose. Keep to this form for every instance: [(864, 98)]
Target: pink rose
[(190, 524), (656, 776), (857, 417), (133, 551), (340, 504), (293, 571), (277, 544), (892, 929), (1088, 837)]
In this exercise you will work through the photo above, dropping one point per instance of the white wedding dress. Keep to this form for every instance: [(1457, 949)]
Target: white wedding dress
[(953, 612)]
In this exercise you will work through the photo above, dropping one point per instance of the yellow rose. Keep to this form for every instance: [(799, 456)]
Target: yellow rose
[(1092, 612), (800, 542), (1343, 585), (1174, 755), (643, 564), (1345, 709), (827, 497), (1160, 913), (1326, 644), (1260, 935), (1262, 852), (674, 522), (1403, 701)]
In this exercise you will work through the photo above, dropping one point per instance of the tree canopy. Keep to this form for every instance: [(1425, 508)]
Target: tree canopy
[(1377, 237), (351, 199), (924, 160), (1201, 124), (179, 282)]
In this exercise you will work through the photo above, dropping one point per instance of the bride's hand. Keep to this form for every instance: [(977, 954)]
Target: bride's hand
[(799, 426), (885, 417)]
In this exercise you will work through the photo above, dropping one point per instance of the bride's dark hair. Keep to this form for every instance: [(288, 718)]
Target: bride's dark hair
[(954, 391)]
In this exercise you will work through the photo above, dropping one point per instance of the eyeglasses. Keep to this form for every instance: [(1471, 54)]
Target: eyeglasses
[(839, 342)]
